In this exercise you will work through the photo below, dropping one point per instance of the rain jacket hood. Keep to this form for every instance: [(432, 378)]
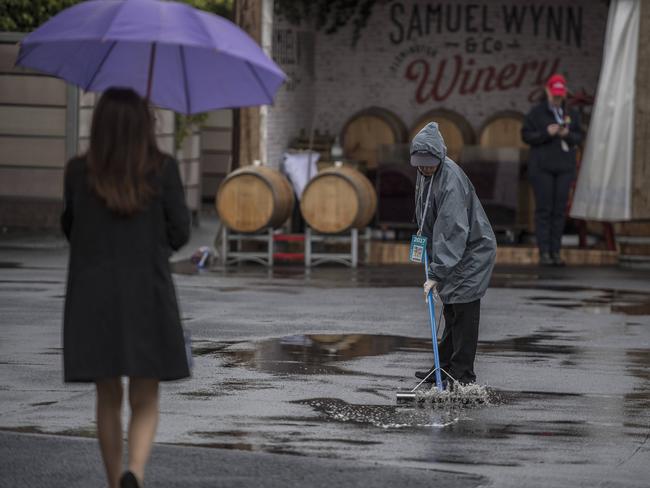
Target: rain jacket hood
[(461, 243), (429, 139)]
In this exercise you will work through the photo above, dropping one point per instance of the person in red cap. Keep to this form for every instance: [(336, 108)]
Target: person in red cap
[(553, 133)]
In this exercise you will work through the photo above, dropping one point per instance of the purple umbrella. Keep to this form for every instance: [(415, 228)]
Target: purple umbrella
[(181, 58)]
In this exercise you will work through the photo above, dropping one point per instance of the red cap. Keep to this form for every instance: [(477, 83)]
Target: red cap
[(556, 84)]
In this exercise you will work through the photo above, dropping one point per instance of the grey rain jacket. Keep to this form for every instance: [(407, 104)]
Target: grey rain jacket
[(461, 243)]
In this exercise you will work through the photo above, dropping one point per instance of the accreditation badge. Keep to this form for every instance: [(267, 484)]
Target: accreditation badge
[(418, 247)]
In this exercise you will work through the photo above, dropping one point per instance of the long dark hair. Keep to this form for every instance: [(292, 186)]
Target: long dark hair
[(123, 154)]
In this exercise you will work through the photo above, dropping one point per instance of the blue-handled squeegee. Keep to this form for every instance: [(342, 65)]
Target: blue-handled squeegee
[(410, 395), (434, 332)]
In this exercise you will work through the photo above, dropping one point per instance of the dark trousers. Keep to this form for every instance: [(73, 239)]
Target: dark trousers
[(551, 195), (457, 348)]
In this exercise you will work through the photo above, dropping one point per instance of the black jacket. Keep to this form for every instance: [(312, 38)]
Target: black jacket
[(121, 316), (546, 151)]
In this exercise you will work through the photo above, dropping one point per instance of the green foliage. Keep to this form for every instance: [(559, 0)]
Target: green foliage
[(27, 15), (184, 125), (223, 8), (329, 16)]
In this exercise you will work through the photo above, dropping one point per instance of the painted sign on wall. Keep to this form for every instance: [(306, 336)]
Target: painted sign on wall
[(475, 58), (493, 30)]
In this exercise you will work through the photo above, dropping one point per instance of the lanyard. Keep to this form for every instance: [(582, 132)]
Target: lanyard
[(426, 206), (558, 112)]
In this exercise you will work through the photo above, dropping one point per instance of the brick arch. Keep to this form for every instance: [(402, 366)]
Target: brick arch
[(368, 129), (502, 129), (455, 129)]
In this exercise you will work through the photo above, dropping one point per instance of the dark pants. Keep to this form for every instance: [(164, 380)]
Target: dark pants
[(457, 348), (551, 195)]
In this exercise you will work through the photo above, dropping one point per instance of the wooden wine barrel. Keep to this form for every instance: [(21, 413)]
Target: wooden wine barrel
[(455, 130), (503, 129), (338, 199), (254, 198), (365, 131), (395, 184)]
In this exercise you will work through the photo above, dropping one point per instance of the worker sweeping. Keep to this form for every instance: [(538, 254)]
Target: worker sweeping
[(461, 247)]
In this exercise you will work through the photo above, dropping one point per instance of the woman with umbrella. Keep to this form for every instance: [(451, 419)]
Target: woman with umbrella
[(124, 204), (124, 213)]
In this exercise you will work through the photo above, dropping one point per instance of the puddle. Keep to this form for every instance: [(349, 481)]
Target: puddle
[(606, 301), (52, 351), (311, 354), (88, 432), (383, 416), (637, 402), (540, 344), (317, 354), (39, 282), (23, 289), (243, 446)]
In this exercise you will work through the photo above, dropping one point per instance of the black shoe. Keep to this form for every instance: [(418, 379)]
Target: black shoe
[(431, 377), (557, 260), (128, 480), (423, 374), (545, 259)]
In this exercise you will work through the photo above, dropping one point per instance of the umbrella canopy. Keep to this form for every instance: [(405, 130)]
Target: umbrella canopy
[(182, 58)]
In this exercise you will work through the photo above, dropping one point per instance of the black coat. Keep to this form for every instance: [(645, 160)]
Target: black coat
[(121, 317), (546, 151)]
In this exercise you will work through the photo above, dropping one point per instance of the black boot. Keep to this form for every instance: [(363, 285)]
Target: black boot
[(545, 259), (557, 260)]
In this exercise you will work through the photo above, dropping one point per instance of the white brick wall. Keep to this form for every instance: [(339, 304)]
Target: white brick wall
[(347, 80), (294, 104)]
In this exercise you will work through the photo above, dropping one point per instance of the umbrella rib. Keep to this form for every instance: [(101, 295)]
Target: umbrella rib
[(259, 82), (188, 105), (100, 65)]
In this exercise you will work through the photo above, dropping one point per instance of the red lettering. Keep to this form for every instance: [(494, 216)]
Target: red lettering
[(522, 72), (464, 88), (419, 70), (489, 82), (506, 73), (542, 76), (461, 76), (435, 93)]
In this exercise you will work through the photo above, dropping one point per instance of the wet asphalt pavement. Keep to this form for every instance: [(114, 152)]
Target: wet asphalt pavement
[(296, 373)]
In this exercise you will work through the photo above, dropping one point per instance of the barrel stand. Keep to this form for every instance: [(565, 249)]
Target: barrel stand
[(349, 259), (232, 257)]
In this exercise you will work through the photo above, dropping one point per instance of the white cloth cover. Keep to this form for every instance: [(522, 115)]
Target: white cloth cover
[(603, 190), (299, 169)]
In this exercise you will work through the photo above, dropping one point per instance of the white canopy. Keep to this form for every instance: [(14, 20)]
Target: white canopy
[(603, 190)]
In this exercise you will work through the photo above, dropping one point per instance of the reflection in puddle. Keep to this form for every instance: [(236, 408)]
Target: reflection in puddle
[(311, 354), (607, 301), (540, 344), (637, 402), (384, 416)]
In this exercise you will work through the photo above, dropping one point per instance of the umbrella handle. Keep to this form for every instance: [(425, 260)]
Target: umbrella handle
[(434, 333)]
